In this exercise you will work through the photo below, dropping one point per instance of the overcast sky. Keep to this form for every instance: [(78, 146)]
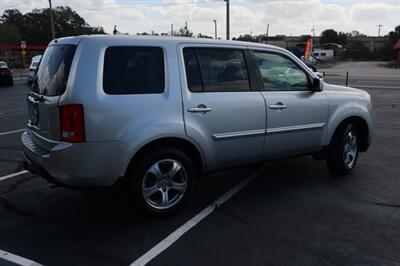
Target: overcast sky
[(290, 17)]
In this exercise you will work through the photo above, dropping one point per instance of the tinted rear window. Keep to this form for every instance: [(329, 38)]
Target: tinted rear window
[(53, 72), (133, 70)]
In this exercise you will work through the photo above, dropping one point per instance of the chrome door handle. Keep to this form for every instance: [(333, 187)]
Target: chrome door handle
[(200, 109), (277, 106)]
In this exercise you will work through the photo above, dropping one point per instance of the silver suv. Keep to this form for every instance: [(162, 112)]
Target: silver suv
[(155, 112)]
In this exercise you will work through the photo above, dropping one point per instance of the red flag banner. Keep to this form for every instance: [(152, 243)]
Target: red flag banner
[(308, 49)]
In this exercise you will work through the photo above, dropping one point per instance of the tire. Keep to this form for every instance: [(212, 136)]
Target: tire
[(343, 152), (165, 193), (11, 82)]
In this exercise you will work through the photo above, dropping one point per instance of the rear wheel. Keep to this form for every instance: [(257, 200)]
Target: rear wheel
[(343, 152), (161, 180)]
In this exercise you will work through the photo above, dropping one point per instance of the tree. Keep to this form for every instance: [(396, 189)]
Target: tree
[(304, 38), (394, 36), (34, 26), (184, 31), (357, 50), (203, 36), (9, 34), (246, 38), (13, 17), (332, 36), (387, 52)]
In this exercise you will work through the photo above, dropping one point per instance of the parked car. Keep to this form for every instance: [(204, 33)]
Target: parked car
[(155, 112), (32, 68), (323, 55), (6, 75)]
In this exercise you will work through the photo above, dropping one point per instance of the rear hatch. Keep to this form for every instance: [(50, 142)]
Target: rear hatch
[(49, 84)]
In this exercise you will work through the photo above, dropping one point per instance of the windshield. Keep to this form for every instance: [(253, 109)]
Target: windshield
[(3, 64), (53, 72), (35, 64)]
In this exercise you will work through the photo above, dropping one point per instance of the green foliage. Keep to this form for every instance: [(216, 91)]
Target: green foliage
[(304, 38), (332, 36), (203, 36), (9, 34), (394, 36), (34, 26), (356, 50), (184, 31), (247, 38)]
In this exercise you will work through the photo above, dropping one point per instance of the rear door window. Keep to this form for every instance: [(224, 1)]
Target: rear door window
[(216, 70), (133, 70), (54, 68)]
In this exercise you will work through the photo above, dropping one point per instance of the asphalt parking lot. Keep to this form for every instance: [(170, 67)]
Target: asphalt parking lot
[(292, 212)]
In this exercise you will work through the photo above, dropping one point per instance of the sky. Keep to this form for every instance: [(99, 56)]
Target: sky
[(285, 17)]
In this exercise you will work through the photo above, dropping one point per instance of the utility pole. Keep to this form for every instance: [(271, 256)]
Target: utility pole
[(53, 34), (313, 31), (172, 29), (227, 20), (379, 29), (215, 24)]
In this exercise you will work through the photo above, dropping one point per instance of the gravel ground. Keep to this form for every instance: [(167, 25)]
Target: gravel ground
[(376, 69)]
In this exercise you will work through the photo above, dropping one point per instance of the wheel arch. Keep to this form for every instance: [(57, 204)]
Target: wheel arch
[(186, 146), (363, 130)]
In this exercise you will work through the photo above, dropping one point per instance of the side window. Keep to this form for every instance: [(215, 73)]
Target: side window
[(133, 70), (280, 73), (216, 70)]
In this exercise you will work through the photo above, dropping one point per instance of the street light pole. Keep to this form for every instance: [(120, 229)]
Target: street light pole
[(215, 23), (53, 34), (227, 20)]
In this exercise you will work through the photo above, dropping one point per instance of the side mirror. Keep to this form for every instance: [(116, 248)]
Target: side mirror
[(319, 74), (317, 84)]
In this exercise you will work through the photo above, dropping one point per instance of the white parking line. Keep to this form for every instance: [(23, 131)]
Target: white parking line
[(11, 132), (13, 175), (174, 236), (17, 259)]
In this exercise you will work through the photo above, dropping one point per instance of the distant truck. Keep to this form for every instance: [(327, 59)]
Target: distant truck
[(324, 55)]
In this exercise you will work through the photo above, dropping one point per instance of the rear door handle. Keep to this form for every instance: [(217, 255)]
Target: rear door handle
[(277, 106), (201, 108)]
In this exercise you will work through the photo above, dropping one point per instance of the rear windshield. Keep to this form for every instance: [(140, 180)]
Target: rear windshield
[(53, 72)]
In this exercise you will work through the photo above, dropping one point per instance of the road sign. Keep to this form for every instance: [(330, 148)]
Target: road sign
[(23, 44)]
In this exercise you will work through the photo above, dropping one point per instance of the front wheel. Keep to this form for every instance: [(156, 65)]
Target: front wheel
[(343, 152), (162, 180)]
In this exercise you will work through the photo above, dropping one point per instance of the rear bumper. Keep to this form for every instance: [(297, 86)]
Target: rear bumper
[(80, 164), (37, 169)]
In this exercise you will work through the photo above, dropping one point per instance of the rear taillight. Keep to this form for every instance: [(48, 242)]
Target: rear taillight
[(72, 123), (5, 72)]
